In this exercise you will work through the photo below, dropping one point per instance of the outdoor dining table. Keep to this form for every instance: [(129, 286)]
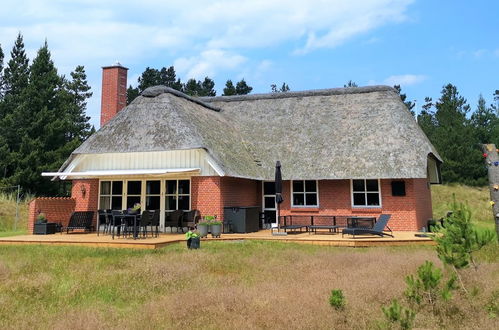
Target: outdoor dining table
[(125, 216), (355, 221)]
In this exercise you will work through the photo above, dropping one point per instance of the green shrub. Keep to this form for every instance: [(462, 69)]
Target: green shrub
[(396, 313), (337, 300)]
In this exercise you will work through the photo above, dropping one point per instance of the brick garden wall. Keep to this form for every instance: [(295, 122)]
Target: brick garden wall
[(87, 200), (56, 209)]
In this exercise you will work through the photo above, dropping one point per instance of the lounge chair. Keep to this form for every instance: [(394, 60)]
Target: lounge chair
[(377, 229), (80, 220)]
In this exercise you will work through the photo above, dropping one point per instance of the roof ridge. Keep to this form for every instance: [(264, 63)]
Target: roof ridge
[(161, 89), (312, 92)]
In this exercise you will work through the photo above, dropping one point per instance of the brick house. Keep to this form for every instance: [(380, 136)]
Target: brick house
[(348, 151)]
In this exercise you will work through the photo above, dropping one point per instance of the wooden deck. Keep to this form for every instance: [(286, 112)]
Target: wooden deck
[(92, 240)]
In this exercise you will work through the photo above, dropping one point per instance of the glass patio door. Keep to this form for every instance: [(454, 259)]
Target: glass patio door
[(269, 204)]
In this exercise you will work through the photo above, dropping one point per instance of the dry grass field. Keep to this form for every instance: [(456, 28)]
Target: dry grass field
[(226, 285)]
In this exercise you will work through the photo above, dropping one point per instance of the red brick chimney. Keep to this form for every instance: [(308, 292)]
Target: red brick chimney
[(113, 91)]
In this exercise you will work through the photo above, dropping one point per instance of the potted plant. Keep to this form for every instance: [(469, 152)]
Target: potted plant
[(135, 209), (203, 226), (215, 227), (41, 218), (42, 227)]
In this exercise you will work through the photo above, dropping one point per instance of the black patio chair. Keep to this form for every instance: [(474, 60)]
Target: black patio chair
[(190, 218), (377, 229), (145, 221), (155, 223), (176, 219)]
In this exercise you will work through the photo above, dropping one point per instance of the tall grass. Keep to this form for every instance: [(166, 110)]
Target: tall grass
[(477, 198), (8, 215), (225, 285)]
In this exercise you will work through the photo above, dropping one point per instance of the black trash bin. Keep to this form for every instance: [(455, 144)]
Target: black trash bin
[(195, 243)]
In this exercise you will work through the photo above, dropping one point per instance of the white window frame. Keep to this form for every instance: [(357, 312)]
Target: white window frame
[(176, 195), (305, 193), (145, 194), (263, 201), (125, 192), (111, 192), (365, 192)]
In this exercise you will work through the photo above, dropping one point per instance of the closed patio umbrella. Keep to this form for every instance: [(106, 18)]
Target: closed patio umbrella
[(278, 190)]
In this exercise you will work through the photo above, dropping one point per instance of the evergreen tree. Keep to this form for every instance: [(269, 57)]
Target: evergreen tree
[(192, 87), (207, 88), (1, 73), (17, 70), (79, 92), (150, 77), (131, 94), (242, 88), (350, 84), (453, 135), (484, 122), (168, 78), (284, 88), (229, 89), (410, 105)]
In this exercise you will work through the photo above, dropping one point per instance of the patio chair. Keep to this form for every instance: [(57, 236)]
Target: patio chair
[(176, 219), (377, 229), (80, 220), (145, 220), (191, 218), (155, 223), (106, 219)]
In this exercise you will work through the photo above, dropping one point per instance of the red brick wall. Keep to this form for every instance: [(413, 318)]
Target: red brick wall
[(87, 200), (408, 212), (206, 194), (240, 192), (211, 194), (113, 92), (56, 209), (424, 212)]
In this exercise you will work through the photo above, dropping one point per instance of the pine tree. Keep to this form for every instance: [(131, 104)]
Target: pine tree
[(131, 94), (484, 122), (452, 133), (168, 78), (79, 92), (410, 105), (192, 87), (207, 88), (150, 77), (1, 74), (17, 70), (350, 84), (229, 89), (284, 88), (242, 88)]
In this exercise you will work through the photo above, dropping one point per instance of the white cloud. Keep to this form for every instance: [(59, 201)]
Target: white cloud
[(208, 63), (201, 37), (405, 79)]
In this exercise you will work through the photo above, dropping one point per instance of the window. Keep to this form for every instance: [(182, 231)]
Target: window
[(178, 195), (398, 188), (153, 191), (305, 193), (111, 195), (134, 191), (365, 193)]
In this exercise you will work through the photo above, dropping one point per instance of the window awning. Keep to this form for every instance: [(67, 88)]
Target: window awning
[(104, 173)]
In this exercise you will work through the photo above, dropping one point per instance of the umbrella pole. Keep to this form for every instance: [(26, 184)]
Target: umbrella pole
[(278, 219)]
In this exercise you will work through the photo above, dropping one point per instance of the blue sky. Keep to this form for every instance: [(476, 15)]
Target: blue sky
[(421, 45)]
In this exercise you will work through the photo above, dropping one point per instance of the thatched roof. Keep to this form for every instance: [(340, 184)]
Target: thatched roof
[(343, 133)]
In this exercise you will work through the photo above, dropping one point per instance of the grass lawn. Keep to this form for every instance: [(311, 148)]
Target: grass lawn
[(225, 285)]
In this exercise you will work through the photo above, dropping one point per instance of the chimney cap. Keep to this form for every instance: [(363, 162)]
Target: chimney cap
[(115, 65)]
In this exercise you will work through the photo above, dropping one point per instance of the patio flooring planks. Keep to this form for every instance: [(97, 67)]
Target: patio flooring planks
[(92, 240)]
